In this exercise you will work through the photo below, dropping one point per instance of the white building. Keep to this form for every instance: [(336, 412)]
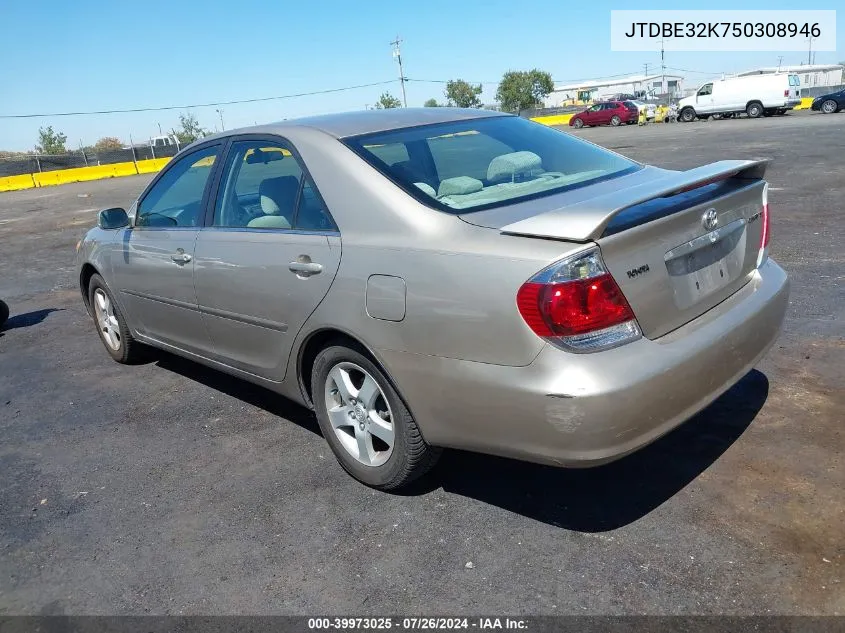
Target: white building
[(810, 76), (638, 85)]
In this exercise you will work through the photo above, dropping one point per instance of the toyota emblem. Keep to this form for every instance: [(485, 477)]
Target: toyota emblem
[(710, 220)]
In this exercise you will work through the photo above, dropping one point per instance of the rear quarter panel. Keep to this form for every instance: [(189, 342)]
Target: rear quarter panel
[(461, 280)]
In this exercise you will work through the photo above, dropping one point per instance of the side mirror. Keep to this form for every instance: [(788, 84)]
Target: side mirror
[(110, 219)]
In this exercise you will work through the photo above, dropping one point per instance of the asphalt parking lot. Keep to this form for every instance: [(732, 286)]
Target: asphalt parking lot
[(170, 488)]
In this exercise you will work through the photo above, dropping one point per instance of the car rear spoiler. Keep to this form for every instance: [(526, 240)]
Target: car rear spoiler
[(587, 220)]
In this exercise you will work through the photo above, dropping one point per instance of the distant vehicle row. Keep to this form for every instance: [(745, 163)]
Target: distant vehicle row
[(755, 95), (613, 112), (606, 113)]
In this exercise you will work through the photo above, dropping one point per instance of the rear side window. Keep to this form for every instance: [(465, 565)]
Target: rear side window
[(265, 187), (489, 162)]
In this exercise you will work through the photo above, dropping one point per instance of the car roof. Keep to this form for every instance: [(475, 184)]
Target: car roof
[(347, 124)]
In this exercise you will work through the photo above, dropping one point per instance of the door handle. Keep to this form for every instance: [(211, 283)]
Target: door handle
[(305, 269), (181, 258)]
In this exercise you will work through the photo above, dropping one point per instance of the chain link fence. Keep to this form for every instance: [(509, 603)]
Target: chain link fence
[(37, 163)]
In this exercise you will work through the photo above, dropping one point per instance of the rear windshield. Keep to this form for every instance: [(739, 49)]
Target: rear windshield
[(465, 166)]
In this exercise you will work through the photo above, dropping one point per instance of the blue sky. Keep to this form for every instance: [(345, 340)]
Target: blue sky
[(60, 56)]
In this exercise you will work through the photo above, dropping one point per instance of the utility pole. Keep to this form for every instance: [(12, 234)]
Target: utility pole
[(397, 53), (810, 52), (645, 67), (159, 130), (663, 88), (780, 61), (220, 113)]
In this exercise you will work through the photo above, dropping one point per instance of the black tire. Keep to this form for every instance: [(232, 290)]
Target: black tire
[(4, 313), (129, 350), (687, 115), (754, 110), (411, 456), (578, 123), (831, 106), (615, 121)]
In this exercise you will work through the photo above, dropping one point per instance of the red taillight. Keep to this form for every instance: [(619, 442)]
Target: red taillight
[(765, 230), (573, 307), (577, 304), (786, 93), (766, 235)]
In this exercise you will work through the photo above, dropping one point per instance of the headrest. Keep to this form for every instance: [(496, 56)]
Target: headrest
[(278, 195), (427, 188), (459, 185), (507, 166), (269, 222)]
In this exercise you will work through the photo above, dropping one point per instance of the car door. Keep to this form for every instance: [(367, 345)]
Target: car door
[(153, 262), (266, 258), (589, 115), (604, 114), (704, 99)]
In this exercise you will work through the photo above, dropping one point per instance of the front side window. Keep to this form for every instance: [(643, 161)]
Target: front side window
[(706, 89), (265, 187), (490, 162), (175, 200)]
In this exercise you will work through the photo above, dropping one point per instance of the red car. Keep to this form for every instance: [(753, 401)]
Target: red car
[(606, 112)]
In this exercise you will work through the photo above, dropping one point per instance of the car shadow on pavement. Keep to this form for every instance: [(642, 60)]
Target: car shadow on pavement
[(27, 319), (248, 392), (611, 496)]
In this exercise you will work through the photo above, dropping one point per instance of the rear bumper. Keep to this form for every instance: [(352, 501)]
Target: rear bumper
[(588, 409)]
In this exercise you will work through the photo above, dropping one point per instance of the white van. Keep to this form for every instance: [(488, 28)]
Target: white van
[(756, 95)]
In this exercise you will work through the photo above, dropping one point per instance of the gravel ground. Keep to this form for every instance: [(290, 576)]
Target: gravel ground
[(167, 488)]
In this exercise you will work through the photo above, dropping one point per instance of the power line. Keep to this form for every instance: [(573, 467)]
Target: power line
[(445, 81), (197, 105), (699, 72)]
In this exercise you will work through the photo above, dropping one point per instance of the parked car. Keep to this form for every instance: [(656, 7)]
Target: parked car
[(829, 103), (755, 95), (438, 277), (606, 113)]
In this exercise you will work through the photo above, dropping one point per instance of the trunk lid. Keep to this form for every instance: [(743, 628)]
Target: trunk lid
[(677, 243)]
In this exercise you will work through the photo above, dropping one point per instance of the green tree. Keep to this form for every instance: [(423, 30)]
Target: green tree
[(50, 142), (387, 101), (191, 129), (431, 103), (463, 94), (520, 90), (106, 143)]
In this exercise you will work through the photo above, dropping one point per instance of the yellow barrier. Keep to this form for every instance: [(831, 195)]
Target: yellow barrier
[(81, 174), (554, 119), (806, 102), (151, 166), (14, 183)]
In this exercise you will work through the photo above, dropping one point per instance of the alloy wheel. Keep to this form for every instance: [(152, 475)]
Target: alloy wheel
[(359, 414), (106, 320)]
